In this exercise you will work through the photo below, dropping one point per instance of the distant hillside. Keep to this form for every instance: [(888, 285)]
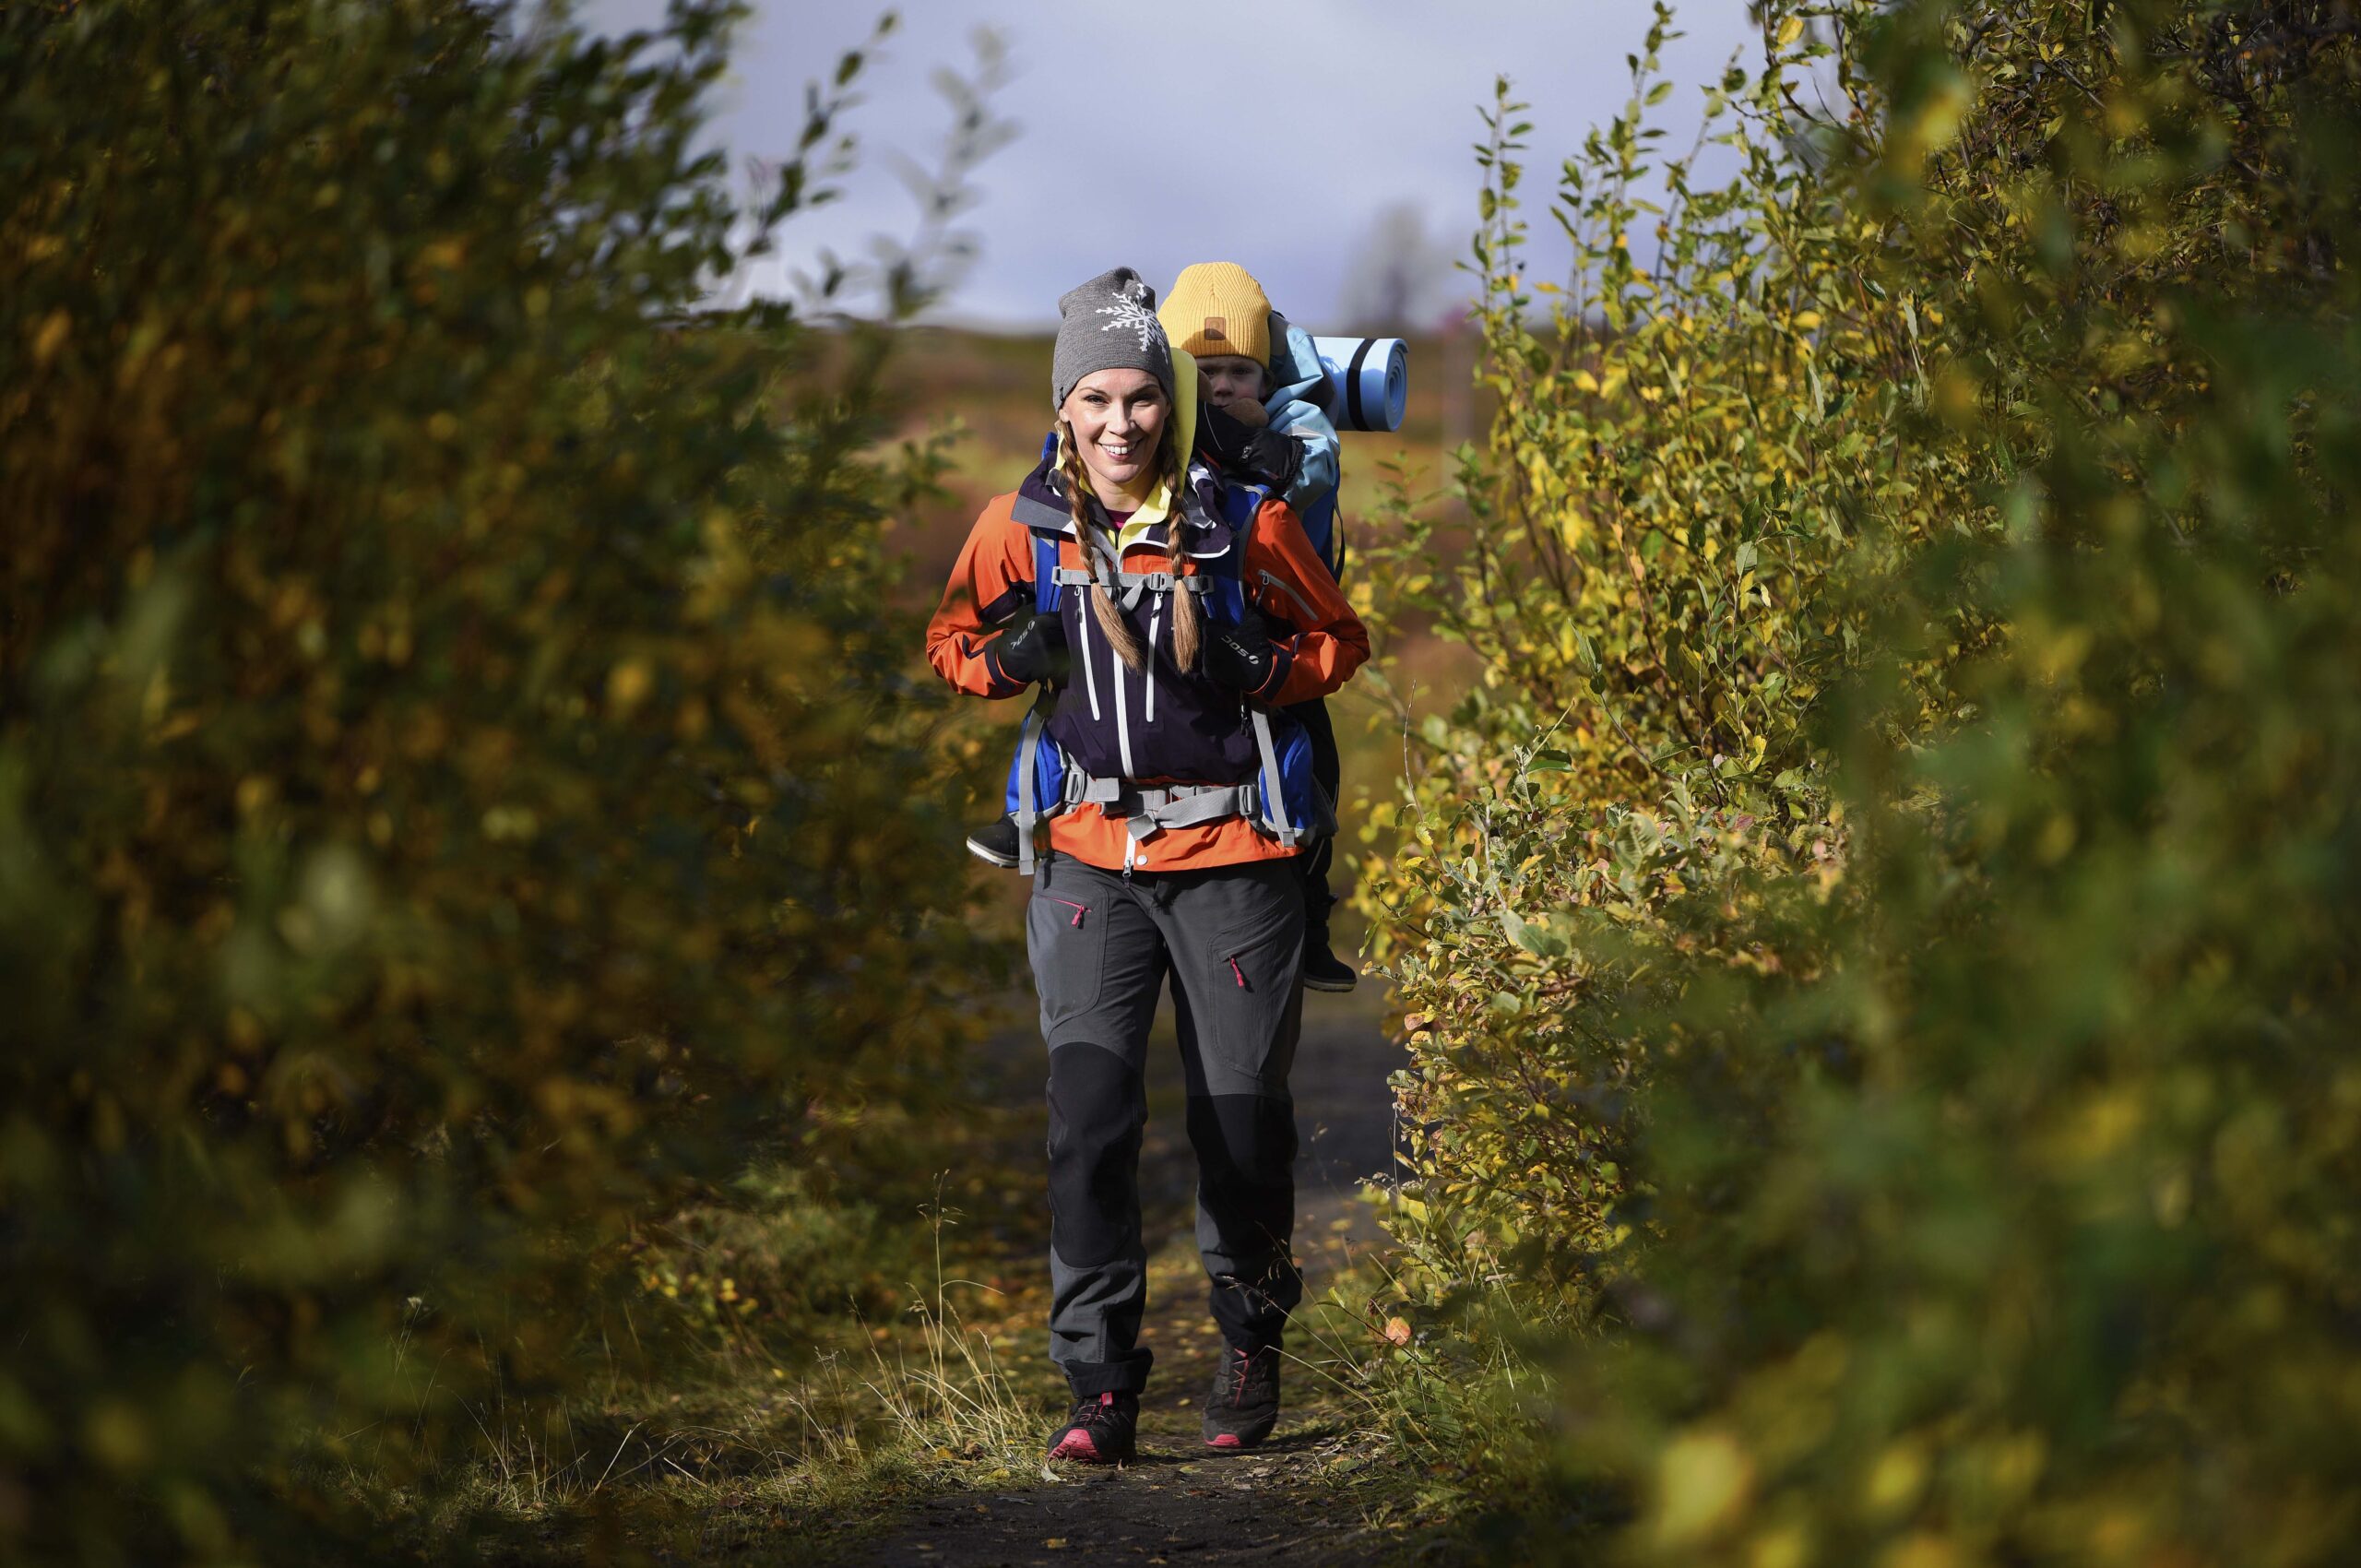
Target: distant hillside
[(999, 387)]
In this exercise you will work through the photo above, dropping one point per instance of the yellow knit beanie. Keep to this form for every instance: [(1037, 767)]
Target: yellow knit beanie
[(1216, 307)]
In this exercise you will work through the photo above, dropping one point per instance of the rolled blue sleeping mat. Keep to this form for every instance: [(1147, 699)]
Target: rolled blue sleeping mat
[(1368, 379)]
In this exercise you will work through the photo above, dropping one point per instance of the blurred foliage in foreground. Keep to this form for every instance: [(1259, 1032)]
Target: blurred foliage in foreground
[(461, 790), (1881, 938)]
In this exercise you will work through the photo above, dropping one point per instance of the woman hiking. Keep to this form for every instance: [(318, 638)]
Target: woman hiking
[(1183, 616)]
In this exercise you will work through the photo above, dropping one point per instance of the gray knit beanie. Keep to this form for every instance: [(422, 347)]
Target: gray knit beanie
[(1108, 323)]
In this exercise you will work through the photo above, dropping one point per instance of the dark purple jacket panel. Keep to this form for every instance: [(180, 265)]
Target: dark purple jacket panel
[(1161, 724)]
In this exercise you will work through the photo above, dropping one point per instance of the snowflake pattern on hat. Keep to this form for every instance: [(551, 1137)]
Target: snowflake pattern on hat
[(1129, 311), (1118, 301)]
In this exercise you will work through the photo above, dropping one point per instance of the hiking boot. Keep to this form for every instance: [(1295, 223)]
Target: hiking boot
[(1322, 970), (1101, 1432), (1242, 1405), (995, 843)]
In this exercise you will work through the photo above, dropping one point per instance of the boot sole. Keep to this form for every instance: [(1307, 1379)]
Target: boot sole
[(1238, 1441), (991, 857), (1329, 985), (1089, 1459)]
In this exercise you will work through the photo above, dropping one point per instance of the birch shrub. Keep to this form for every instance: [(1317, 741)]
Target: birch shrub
[(1653, 572), (1936, 1128), (460, 788)]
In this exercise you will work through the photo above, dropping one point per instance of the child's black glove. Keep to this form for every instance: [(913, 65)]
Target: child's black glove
[(1256, 453), (1240, 657), (1033, 648)]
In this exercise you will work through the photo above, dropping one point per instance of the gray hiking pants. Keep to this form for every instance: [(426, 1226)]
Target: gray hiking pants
[(1231, 939)]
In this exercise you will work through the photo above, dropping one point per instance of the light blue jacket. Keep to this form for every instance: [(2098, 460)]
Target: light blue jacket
[(1298, 393)]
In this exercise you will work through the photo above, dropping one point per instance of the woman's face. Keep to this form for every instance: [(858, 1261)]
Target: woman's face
[(1118, 419)]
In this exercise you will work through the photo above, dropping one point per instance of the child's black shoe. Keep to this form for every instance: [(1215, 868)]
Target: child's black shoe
[(1322, 970), (995, 843)]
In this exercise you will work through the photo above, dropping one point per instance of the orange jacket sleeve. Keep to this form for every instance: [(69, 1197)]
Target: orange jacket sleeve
[(992, 583), (1288, 581)]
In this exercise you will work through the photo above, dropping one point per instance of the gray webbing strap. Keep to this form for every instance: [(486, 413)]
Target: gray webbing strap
[(1106, 565), (1190, 808), (1029, 753), (1274, 793), (1150, 807), (1129, 586), (1161, 582)]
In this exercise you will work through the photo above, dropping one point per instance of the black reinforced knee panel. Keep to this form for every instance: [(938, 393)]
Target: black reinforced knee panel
[(1097, 1109), (1245, 1146)]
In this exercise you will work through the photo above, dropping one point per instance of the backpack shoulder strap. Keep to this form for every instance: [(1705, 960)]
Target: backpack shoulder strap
[(1028, 752), (1046, 590), (1273, 792)]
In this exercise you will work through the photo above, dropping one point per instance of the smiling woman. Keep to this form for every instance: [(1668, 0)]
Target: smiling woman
[(1117, 417), (1115, 440), (1165, 613)]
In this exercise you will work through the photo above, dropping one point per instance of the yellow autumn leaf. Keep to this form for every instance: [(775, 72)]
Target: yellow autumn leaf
[(1704, 1480), (628, 685), (50, 336)]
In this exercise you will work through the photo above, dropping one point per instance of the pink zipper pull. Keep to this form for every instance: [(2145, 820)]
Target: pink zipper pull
[(1079, 909), (1239, 973)]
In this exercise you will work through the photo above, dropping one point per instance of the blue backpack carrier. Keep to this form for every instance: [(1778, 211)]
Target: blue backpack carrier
[(1283, 800)]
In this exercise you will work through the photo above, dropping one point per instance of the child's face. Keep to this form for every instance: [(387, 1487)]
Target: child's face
[(1231, 376)]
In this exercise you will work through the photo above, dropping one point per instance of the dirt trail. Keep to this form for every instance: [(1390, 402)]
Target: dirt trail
[(1182, 1503)]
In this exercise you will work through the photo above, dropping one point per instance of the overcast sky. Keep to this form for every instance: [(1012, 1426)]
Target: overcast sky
[(1272, 133)]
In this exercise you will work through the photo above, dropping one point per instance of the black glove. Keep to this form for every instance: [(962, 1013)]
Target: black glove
[(1253, 452), (1240, 657), (1033, 648)]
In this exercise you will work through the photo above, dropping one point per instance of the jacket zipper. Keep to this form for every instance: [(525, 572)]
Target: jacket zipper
[(1122, 721), (1155, 624), (1116, 670), (1310, 615), (1089, 671)]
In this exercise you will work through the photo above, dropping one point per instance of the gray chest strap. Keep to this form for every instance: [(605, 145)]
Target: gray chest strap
[(1130, 586)]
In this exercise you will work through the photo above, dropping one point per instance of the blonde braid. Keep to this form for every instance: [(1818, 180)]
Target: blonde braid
[(1118, 631), (1188, 621)]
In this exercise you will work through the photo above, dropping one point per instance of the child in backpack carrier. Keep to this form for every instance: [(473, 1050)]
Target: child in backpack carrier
[(1261, 423)]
